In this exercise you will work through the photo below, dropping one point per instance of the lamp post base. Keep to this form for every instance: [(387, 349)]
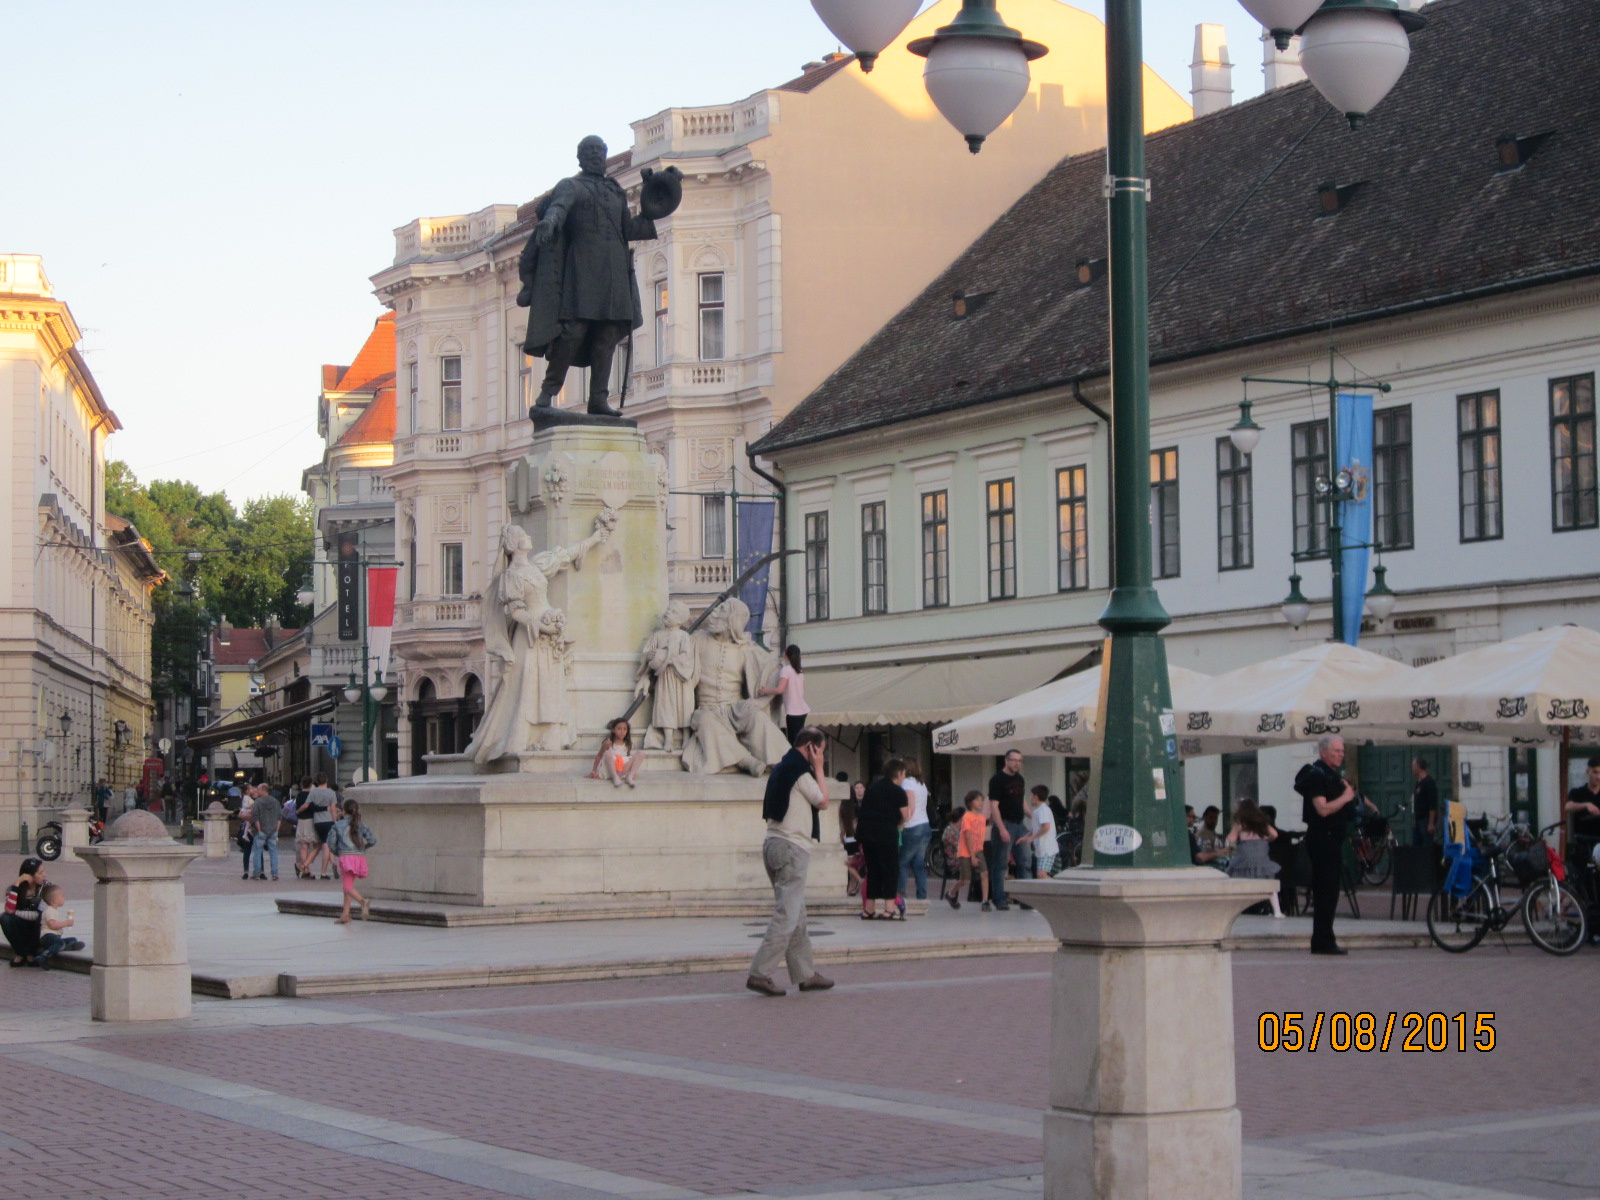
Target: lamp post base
[(1140, 1109)]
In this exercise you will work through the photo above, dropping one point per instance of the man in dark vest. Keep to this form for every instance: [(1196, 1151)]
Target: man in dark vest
[(577, 274), (1329, 801), (796, 792)]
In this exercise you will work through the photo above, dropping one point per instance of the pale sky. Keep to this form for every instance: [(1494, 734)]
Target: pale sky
[(211, 182)]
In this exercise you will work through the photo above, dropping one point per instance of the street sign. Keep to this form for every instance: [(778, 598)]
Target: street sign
[(321, 735), (335, 747)]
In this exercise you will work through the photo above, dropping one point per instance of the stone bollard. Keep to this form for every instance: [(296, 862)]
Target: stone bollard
[(1140, 1108), (74, 829), (215, 838), (141, 954)]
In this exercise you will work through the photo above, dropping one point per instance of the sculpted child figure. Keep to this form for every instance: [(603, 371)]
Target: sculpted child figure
[(669, 659)]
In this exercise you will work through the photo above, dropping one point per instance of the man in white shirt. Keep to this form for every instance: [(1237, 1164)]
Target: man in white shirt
[(796, 792)]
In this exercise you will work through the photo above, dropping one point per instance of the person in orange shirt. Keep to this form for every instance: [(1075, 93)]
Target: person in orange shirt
[(969, 853)]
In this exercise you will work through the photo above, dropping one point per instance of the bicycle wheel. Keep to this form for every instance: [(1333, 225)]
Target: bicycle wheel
[(1458, 923), (1375, 869), (1554, 917), (936, 861)]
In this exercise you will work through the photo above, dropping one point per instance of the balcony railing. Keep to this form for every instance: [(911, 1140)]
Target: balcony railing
[(417, 614), (684, 377), (688, 574), (715, 125)]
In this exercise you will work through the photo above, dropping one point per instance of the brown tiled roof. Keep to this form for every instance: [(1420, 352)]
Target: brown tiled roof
[(1237, 252), (807, 80), (376, 425), (243, 645), (374, 365)]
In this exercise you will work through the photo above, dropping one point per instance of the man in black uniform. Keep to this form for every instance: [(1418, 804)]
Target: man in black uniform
[(1329, 801), (1006, 817), (1424, 805)]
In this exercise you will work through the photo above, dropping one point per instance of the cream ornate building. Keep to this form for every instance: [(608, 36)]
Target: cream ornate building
[(75, 586), (812, 211)]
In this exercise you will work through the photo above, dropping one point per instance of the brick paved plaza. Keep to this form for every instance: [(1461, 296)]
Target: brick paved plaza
[(910, 1079)]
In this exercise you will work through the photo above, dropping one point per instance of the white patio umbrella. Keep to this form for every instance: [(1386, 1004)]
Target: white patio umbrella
[(1294, 697), (1530, 683), (1062, 717)]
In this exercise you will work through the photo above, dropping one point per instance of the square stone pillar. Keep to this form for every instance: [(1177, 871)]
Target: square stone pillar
[(214, 832), (614, 601), (1140, 1108), (141, 952), (74, 829)]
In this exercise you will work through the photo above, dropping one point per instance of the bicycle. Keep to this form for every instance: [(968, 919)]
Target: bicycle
[(1373, 841), (1552, 913)]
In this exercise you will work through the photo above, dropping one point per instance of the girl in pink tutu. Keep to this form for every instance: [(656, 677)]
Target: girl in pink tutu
[(349, 840)]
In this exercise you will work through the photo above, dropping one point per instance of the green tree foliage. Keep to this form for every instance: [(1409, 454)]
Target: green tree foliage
[(222, 564)]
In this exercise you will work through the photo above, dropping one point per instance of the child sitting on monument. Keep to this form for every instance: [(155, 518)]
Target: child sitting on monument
[(617, 760), (53, 926), (969, 851)]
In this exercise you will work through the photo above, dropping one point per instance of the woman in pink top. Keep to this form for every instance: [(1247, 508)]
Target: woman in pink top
[(792, 687)]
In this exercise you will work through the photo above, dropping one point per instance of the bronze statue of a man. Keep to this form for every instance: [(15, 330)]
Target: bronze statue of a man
[(577, 274)]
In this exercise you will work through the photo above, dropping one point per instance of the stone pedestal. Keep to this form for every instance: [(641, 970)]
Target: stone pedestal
[(74, 829), (141, 954), (613, 603), (214, 833), (547, 837), (1140, 1107)]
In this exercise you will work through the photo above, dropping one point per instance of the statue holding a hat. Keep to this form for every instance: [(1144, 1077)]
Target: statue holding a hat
[(577, 274)]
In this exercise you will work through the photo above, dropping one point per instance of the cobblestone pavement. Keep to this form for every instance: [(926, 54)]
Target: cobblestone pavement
[(914, 1079)]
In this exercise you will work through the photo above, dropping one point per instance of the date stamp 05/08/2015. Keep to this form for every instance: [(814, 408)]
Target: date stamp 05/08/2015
[(1365, 1032)]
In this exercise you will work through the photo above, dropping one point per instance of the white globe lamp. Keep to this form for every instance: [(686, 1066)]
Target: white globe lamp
[(866, 26), (1354, 52), (977, 70), (1281, 17)]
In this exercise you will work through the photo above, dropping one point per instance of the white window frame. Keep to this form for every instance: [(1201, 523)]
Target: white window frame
[(449, 392), (713, 314), (452, 560)]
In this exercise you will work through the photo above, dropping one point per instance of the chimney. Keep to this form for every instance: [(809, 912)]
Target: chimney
[(1281, 67), (1210, 74)]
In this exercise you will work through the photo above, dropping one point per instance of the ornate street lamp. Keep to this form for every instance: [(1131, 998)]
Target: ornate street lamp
[(1245, 434), (977, 70), (1380, 600), (65, 721), (866, 26), (1296, 608), (1354, 51)]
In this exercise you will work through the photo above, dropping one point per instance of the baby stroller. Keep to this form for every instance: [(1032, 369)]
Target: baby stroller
[(949, 876)]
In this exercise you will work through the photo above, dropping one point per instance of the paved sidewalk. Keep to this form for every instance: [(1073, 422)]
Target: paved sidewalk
[(241, 946), (690, 1088)]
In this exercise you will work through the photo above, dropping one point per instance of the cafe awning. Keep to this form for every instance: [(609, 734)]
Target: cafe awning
[(248, 727), (927, 693)]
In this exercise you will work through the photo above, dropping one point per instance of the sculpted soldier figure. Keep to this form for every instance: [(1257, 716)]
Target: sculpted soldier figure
[(733, 726), (577, 274)]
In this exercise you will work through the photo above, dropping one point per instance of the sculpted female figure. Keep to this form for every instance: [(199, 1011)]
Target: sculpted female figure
[(530, 709)]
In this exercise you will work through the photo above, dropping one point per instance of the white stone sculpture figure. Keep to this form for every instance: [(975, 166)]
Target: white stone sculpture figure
[(732, 723), (669, 658), (530, 709)]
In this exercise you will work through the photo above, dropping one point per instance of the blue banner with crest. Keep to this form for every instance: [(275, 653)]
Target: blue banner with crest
[(1354, 425)]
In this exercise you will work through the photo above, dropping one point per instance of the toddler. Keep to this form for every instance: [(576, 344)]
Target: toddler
[(53, 924)]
